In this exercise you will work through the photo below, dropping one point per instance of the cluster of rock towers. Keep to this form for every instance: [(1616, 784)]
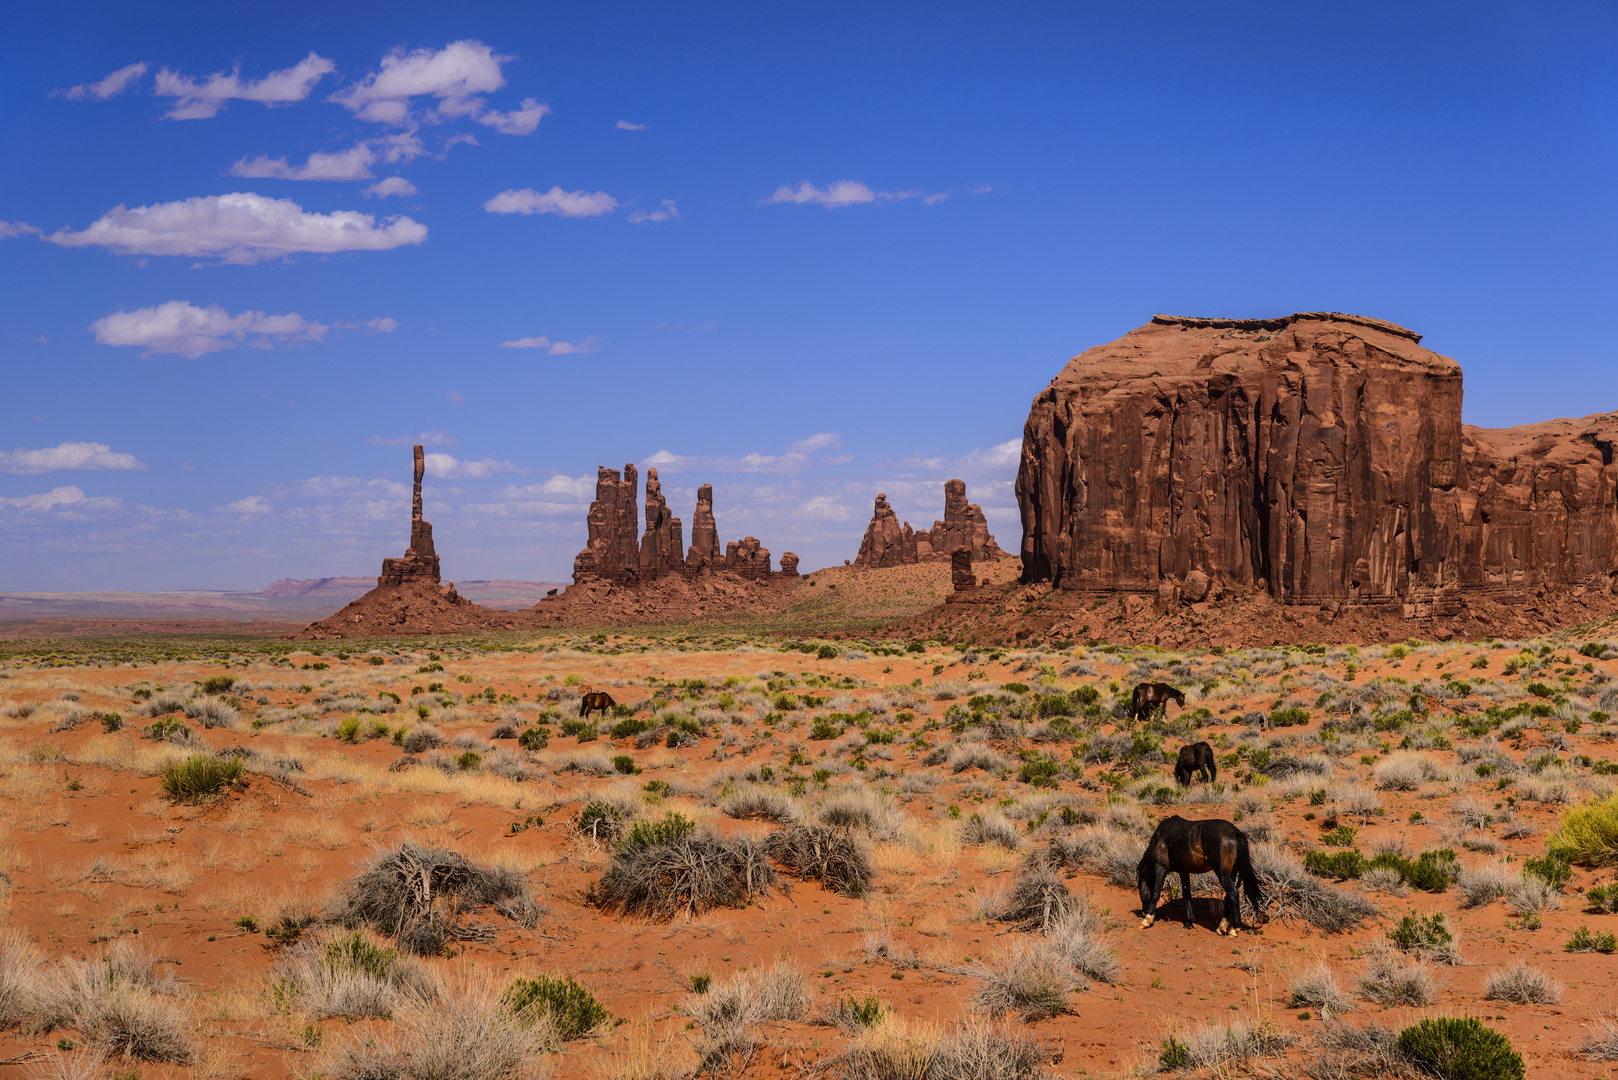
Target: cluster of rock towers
[(619, 552), (886, 543)]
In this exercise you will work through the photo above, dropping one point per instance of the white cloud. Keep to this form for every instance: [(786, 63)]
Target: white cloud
[(519, 121), (664, 213), (240, 227), (393, 185), (323, 486), (625, 125), (938, 196), (440, 437), (181, 327), (555, 201), (405, 146), (109, 87), (573, 489), (979, 189), (252, 506), (590, 344), (62, 498), (69, 455), (201, 100), (351, 164), (9, 229), (799, 456), (997, 459), (822, 508), (445, 467), (847, 193), (457, 75)]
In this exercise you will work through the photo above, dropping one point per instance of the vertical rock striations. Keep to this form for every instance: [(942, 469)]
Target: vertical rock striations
[(1320, 456), (420, 561), (611, 552), (704, 532)]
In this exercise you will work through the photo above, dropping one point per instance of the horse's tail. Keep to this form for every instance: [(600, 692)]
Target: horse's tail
[(1213, 770), (1244, 867), (584, 705)]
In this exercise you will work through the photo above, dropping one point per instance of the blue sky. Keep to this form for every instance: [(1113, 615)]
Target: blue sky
[(805, 254)]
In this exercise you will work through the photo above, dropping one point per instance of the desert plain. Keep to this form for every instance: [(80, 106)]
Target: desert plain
[(901, 856)]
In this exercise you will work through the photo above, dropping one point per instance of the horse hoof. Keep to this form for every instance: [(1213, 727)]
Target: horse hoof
[(1146, 922), (1224, 927)]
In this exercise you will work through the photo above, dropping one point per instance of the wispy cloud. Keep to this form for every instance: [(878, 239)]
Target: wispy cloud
[(522, 120), (664, 212), (8, 229), (351, 164), (183, 328), (109, 87), (797, 457), (440, 437), (590, 344), (69, 500), (997, 459), (572, 204), (68, 455), (252, 506), (842, 193), (393, 185), (625, 125), (241, 227), (199, 100), (445, 467)]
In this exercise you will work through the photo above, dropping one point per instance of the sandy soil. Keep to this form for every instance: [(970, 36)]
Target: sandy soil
[(96, 854)]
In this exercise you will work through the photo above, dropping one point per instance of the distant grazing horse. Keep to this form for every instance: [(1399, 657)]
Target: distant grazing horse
[(595, 701), (1198, 757), (1198, 847), (1149, 695)]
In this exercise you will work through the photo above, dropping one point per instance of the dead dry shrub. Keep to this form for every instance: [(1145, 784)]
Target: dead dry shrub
[(1391, 980), (1522, 985), (764, 803), (1099, 850), (971, 1049), (1037, 899), (1342, 1052), (350, 975), (1078, 937), (684, 875), (465, 1035), (417, 895), (1316, 988), (728, 1014), (1602, 1045), (122, 1006), (1031, 979), (1292, 892), (836, 858), (991, 827), (1229, 1047), (28, 988)]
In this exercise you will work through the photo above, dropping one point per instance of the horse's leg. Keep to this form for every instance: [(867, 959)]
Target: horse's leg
[(1233, 911), (1159, 872), (1185, 891)]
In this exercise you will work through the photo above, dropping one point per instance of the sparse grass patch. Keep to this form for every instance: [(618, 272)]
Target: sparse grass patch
[(199, 777)]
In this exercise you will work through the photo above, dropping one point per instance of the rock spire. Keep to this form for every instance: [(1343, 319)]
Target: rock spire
[(420, 561)]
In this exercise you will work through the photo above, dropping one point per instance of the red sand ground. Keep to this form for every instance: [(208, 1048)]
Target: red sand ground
[(94, 852)]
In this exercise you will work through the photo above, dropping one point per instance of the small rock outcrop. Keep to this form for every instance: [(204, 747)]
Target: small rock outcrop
[(1318, 456), (887, 543), (961, 577), (748, 558), (789, 564), (420, 561)]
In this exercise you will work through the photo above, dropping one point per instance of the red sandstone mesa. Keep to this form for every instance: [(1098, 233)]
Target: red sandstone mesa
[(1320, 456)]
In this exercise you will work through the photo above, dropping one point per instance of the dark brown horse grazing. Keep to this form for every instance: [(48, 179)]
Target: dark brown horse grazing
[(595, 701), (1198, 757), (1149, 695), (1198, 847)]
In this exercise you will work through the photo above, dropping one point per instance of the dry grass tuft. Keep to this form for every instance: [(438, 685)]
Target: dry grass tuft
[(1031, 979), (466, 1035), (122, 1006), (1522, 985)]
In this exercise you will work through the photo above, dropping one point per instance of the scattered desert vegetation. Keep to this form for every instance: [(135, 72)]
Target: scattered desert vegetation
[(879, 860)]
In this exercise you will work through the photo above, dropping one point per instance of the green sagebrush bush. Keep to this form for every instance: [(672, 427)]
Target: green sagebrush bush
[(573, 1009), (1461, 1048), (199, 777)]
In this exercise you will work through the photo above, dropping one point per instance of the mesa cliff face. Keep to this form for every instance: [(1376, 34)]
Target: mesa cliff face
[(1319, 455)]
